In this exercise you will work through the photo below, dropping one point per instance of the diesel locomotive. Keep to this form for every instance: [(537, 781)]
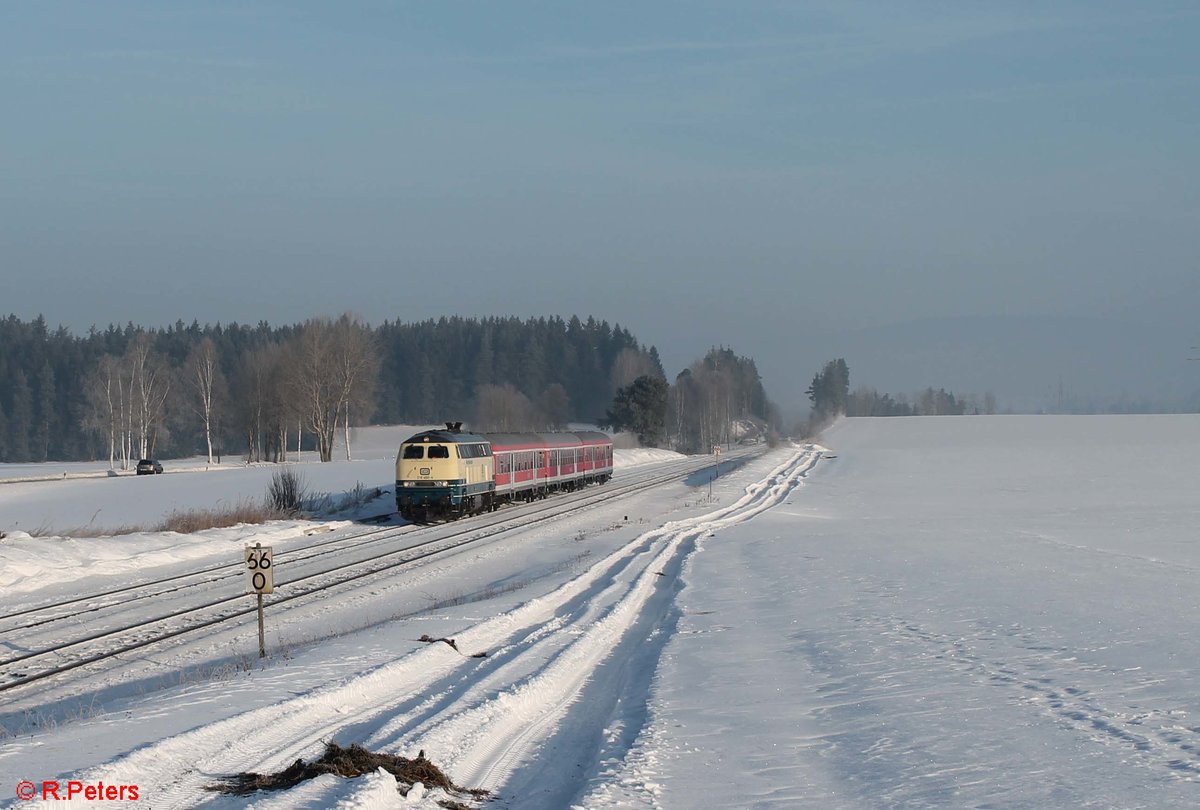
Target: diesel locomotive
[(449, 473)]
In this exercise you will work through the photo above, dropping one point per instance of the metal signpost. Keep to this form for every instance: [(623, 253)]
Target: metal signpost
[(260, 579)]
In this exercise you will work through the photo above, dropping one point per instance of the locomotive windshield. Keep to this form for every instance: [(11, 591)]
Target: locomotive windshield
[(439, 451), (414, 451)]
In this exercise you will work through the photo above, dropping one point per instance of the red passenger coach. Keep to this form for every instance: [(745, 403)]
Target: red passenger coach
[(532, 465)]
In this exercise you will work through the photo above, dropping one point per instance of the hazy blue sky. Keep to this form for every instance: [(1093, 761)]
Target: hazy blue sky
[(764, 175)]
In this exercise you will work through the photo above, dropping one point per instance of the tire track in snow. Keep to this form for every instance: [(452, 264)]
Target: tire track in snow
[(479, 743), (492, 736)]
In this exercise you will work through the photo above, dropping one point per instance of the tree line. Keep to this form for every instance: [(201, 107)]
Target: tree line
[(311, 378), (831, 397), (506, 373), (717, 400), (260, 391)]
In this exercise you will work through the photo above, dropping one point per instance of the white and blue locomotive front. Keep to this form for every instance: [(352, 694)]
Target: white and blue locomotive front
[(444, 472)]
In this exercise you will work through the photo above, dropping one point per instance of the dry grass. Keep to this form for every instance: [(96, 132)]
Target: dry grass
[(351, 762), (90, 530), (194, 520)]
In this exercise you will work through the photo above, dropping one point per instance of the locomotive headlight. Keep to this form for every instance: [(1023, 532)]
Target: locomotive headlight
[(441, 483)]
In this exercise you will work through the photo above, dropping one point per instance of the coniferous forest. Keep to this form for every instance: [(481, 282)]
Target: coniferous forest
[(123, 393)]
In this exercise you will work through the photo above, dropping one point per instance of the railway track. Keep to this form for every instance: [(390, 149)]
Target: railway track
[(80, 634)]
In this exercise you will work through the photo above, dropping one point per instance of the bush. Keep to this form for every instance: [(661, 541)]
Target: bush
[(286, 493)]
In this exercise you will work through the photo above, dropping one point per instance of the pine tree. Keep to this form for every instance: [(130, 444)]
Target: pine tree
[(20, 423), (44, 425), (830, 390), (641, 408), (3, 433)]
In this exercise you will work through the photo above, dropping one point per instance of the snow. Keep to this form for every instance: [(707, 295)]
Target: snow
[(954, 611)]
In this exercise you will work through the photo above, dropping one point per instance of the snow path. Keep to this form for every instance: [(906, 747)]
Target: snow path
[(489, 737), (477, 717)]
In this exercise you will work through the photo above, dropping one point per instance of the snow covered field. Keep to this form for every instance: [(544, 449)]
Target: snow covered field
[(79, 499), (950, 612)]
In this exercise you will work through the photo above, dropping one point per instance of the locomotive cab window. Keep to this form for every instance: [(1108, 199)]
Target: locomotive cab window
[(414, 451), (439, 451), (474, 451)]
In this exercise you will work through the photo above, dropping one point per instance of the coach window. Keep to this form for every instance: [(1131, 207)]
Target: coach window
[(414, 451)]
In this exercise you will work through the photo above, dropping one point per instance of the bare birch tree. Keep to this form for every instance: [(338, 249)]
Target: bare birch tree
[(106, 407), (316, 382), (206, 383), (503, 408), (280, 407), (257, 376), (629, 365), (150, 379), (356, 357)]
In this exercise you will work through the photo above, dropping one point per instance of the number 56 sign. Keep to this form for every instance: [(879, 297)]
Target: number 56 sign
[(260, 576)]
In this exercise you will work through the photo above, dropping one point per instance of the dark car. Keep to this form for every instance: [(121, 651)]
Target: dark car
[(148, 466)]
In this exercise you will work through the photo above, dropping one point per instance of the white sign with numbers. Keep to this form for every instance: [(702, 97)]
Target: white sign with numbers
[(260, 575)]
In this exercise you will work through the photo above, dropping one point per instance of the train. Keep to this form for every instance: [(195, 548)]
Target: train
[(450, 473)]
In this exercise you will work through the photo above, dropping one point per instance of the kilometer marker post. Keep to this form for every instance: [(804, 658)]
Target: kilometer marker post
[(260, 579)]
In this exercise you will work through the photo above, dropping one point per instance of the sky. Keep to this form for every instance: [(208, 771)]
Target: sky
[(797, 181)]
